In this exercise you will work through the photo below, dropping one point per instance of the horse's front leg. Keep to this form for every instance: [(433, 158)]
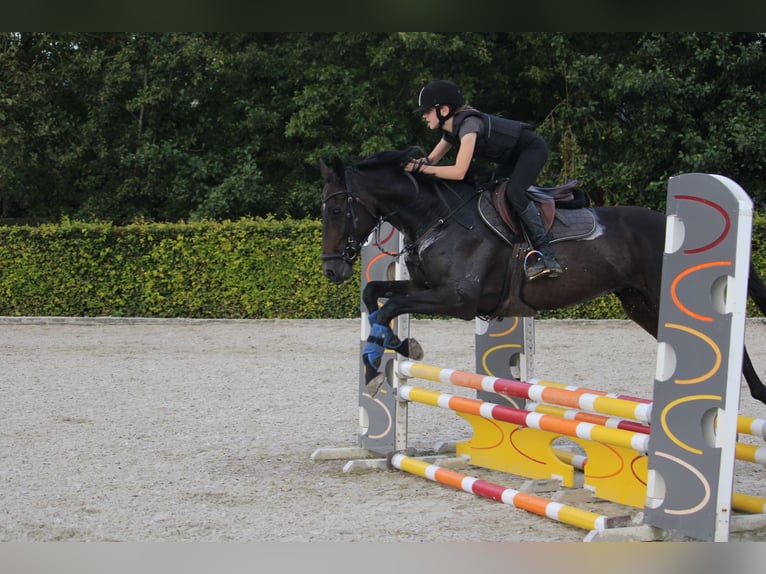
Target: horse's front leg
[(405, 297), (373, 292), (381, 336)]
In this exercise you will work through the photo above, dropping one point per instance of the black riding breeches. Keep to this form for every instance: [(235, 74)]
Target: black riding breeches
[(527, 161)]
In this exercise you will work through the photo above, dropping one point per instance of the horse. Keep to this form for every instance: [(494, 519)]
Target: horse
[(461, 266)]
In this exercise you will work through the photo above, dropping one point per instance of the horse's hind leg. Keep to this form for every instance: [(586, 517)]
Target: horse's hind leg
[(757, 291), (640, 309), (754, 383)]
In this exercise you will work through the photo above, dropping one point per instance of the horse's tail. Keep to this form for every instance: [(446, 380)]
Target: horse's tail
[(757, 289)]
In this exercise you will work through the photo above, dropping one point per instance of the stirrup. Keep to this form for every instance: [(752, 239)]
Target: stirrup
[(540, 261)]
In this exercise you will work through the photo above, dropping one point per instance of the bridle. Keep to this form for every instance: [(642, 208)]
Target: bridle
[(353, 245), (352, 248)]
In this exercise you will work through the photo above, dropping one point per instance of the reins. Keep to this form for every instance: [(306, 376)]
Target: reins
[(440, 220), (352, 248), (430, 229)]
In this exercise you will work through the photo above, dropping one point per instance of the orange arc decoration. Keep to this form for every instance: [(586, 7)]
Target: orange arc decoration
[(685, 273), (371, 264)]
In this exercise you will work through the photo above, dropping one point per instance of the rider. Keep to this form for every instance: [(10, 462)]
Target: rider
[(518, 152)]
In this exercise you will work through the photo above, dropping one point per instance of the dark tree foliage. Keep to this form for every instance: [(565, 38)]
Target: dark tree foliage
[(186, 126)]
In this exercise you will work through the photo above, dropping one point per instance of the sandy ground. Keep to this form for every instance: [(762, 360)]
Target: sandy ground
[(186, 430)]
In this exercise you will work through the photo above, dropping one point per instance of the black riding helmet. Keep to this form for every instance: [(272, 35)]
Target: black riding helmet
[(440, 93)]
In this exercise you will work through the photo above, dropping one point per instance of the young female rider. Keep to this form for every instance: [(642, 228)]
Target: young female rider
[(518, 152)]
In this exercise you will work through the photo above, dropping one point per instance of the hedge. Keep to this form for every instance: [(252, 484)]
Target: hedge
[(251, 268)]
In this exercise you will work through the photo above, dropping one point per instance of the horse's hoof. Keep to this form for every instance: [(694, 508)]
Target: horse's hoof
[(415, 350), (373, 386)]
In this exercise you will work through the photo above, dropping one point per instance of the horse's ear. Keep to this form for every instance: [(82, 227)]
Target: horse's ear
[(340, 170), (332, 174), (324, 170)]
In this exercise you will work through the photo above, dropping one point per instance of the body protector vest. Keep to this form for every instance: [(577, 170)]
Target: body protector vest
[(497, 138)]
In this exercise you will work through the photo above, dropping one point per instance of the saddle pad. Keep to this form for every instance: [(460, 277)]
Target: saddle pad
[(568, 224), (572, 224), (492, 219)]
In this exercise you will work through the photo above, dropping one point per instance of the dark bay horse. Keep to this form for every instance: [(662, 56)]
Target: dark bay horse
[(459, 267)]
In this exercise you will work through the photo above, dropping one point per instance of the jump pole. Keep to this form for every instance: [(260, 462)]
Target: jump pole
[(587, 431), (625, 482), (540, 393), (627, 414), (531, 503)]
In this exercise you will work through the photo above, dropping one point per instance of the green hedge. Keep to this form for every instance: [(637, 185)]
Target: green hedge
[(251, 268), (260, 268)]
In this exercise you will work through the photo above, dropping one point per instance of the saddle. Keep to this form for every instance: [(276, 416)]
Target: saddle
[(546, 199), (564, 210)]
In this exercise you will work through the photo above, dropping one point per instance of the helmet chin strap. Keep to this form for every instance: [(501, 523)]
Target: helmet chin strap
[(442, 118)]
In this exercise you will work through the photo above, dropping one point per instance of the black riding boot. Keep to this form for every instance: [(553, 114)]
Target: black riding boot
[(546, 263)]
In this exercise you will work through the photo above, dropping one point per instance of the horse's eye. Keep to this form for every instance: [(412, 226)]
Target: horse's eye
[(336, 211)]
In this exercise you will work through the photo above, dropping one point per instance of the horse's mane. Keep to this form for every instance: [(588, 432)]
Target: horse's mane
[(390, 157)]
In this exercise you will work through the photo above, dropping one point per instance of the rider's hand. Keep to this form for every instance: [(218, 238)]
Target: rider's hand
[(416, 165)]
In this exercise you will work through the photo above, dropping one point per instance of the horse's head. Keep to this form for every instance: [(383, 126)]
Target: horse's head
[(357, 199), (346, 223)]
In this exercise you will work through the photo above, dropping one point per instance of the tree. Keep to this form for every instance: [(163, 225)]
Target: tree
[(644, 107), (175, 126)]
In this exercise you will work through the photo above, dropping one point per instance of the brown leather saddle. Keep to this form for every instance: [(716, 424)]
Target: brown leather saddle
[(544, 197)]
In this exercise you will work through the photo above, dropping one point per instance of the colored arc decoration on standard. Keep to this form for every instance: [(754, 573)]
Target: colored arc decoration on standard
[(673, 404), (508, 331), (485, 356), (674, 287), (367, 272), (710, 342), (719, 209), (703, 481)]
